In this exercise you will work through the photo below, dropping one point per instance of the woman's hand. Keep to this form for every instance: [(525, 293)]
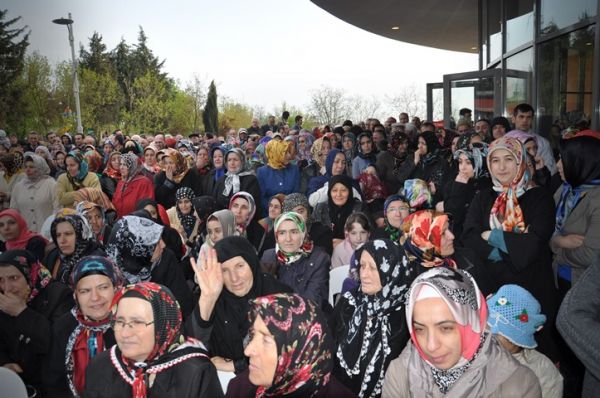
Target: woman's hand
[(223, 364), (571, 241), (169, 169), (209, 274), (12, 304), (485, 235)]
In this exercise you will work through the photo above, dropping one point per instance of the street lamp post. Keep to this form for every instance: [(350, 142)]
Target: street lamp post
[(69, 23)]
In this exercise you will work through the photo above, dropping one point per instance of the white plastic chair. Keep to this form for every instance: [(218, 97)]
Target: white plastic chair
[(12, 385), (336, 280)]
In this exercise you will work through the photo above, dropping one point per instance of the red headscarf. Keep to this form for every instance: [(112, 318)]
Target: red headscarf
[(24, 233)]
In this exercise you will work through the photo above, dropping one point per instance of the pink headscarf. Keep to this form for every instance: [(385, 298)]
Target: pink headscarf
[(24, 233)]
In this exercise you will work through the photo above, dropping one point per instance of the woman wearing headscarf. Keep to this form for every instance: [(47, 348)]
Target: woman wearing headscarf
[(368, 323), (94, 161), (349, 149), (183, 216), (508, 228), (229, 276), (30, 303), (16, 235), (319, 151), (67, 141), (73, 239), (275, 206), (44, 153), (303, 145), (58, 157), (136, 244), (150, 312), (84, 332), (395, 209), (299, 264), (340, 204), (278, 175), (35, 195), (219, 225), (427, 164), (96, 217), (244, 209), (451, 354), (367, 154), (133, 185), (150, 165), (290, 349), (148, 208), (112, 174), (176, 174), (318, 186), (11, 171), (204, 206), (76, 177), (218, 170), (235, 180)]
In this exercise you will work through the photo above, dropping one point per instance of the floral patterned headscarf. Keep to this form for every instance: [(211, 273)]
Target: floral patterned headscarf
[(305, 248), (36, 275), (181, 165), (304, 344), (506, 213), (84, 240), (422, 238), (188, 221), (109, 170), (276, 151), (418, 194), (170, 347)]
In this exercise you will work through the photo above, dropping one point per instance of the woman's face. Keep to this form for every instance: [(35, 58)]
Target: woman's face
[(465, 166), (262, 351), (422, 146), (152, 210), (447, 242), (9, 228), (370, 282), (218, 159), (65, 140), (454, 145), (158, 251), (94, 294), (339, 164), (437, 332), (72, 166), (325, 148), (347, 143), (237, 276), (65, 238), (12, 281), (134, 328), (150, 158), (94, 217), (531, 148), (107, 148), (561, 171), (289, 237), (214, 230), (498, 131), (115, 161), (397, 211), (60, 159), (201, 158), (123, 169), (30, 170), (339, 194), (185, 206), (303, 211), (357, 235), (234, 163), (503, 166), (302, 143), (274, 208), (241, 210)]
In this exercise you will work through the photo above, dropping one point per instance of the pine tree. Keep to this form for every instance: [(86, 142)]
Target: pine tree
[(210, 116), (97, 59)]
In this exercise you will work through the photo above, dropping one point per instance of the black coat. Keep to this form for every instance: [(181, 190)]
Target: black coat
[(164, 189), (54, 375), (435, 170), (248, 183), (195, 377), (55, 265), (458, 198), (25, 339), (528, 262), (169, 273), (36, 246)]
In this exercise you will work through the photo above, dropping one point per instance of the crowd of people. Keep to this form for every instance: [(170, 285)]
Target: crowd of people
[(145, 265)]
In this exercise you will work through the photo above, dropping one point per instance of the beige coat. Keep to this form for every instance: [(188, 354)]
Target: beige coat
[(493, 374), (35, 202), (65, 191), (176, 224)]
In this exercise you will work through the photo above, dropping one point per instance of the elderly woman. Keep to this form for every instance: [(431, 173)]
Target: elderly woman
[(148, 313), (136, 244), (229, 276), (299, 264), (76, 177), (318, 233), (395, 209), (244, 209), (235, 180), (176, 174), (16, 235), (133, 186), (35, 195), (451, 354), (96, 217), (275, 206), (74, 240), (84, 332), (368, 321), (290, 351), (278, 175), (508, 227), (30, 303)]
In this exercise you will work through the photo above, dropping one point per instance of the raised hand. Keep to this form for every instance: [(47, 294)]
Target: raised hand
[(208, 274)]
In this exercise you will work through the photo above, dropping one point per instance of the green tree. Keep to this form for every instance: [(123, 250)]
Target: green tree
[(13, 44), (97, 58), (234, 115), (101, 100), (182, 113), (150, 105), (210, 116), (37, 89)]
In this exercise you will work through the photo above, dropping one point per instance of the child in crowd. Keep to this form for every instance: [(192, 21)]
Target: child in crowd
[(357, 230), (514, 317)]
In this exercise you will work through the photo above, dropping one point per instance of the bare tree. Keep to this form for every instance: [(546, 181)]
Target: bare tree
[(329, 105), (360, 109), (410, 99)]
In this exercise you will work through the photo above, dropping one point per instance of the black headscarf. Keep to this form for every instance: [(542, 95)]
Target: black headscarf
[(371, 156), (339, 214), (145, 202), (230, 315), (581, 163)]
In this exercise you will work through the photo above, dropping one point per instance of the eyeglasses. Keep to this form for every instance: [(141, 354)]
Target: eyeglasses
[(135, 325), (400, 208)]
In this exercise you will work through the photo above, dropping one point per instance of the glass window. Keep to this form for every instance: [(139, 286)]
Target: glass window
[(558, 14), (565, 79), (517, 82), (519, 23), (494, 24), (475, 94)]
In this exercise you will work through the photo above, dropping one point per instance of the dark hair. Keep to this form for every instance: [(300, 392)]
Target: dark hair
[(523, 108), (360, 218), (581, 163), (285, 115), (502, 121), (382, 145), (428, 124), (464, 111), (347, 123), (297, 118), (338, 130), (356, 130), (484, 120)]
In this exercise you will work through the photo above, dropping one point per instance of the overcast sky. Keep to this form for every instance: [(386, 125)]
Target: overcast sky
[(259, 52)]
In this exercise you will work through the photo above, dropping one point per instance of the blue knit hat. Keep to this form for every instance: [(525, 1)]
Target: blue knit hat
[(515, 314)]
